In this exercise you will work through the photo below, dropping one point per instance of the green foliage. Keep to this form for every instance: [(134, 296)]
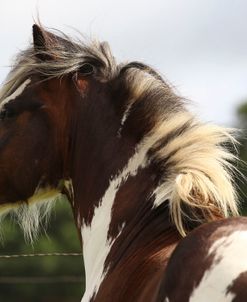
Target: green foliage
[(37, 279), (242, 124)]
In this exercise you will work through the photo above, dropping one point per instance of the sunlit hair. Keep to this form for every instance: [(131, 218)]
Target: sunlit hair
[(199, 171)]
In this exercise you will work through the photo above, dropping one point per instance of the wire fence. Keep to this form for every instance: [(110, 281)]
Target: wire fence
[(40, 279), (40, 255)]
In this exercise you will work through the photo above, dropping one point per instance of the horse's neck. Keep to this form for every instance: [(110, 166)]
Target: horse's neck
[(137, 258), (121, 229), (138, 252), (122, 232)]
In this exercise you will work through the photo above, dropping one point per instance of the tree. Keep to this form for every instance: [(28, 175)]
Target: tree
[(242, 124)]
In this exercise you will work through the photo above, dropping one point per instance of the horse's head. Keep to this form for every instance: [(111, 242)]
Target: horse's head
[(33, 133), (50, 92)]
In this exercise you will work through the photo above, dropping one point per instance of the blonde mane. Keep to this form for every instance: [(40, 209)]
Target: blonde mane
[(199, 171), (198, 160)]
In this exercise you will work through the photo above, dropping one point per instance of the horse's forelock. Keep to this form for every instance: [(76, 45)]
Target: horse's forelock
[(66, 55)]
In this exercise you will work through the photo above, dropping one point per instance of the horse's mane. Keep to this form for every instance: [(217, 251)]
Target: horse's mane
[(196, 165)]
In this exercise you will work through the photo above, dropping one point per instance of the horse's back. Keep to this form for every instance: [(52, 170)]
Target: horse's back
[(210, 264)]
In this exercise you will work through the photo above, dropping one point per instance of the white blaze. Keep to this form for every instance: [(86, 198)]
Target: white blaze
[(229, 263), (16, 93)]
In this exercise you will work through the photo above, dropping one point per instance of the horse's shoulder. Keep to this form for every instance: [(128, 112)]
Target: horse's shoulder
[(210, 264)]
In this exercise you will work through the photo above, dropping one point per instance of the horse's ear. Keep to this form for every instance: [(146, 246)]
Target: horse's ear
[(40, 43)]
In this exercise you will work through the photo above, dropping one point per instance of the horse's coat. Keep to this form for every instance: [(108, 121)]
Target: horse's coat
[(208, 264), (224, 269), (139, 170)]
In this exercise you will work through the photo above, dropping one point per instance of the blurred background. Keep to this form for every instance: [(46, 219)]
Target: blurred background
[(200, 47)]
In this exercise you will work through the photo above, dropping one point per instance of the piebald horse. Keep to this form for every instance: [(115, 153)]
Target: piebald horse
[(139, 170)]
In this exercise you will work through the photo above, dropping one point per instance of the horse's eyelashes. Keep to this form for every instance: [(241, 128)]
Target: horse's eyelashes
[(13, 109), (86, 69), (6, 113), (3, 114)]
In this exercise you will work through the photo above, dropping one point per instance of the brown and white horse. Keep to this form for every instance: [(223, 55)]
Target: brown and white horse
[(138, 169)]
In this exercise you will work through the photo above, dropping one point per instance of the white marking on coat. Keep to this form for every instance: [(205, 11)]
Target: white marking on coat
[(124, 118), (16, 93), (96, 245), (229, 263)]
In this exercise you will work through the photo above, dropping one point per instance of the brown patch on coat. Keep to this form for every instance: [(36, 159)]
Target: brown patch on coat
[(239, 288)]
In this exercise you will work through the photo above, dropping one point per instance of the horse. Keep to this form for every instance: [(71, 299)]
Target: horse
[(138, 169)]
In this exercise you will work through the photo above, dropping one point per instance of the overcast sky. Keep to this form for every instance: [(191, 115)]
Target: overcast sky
[(200, 46)]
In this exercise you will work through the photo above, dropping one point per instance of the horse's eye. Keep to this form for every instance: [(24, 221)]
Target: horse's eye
[(6, 113), (86, 69)]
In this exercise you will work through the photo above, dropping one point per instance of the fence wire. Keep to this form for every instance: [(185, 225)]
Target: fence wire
[(40, 279), (40, 255)]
